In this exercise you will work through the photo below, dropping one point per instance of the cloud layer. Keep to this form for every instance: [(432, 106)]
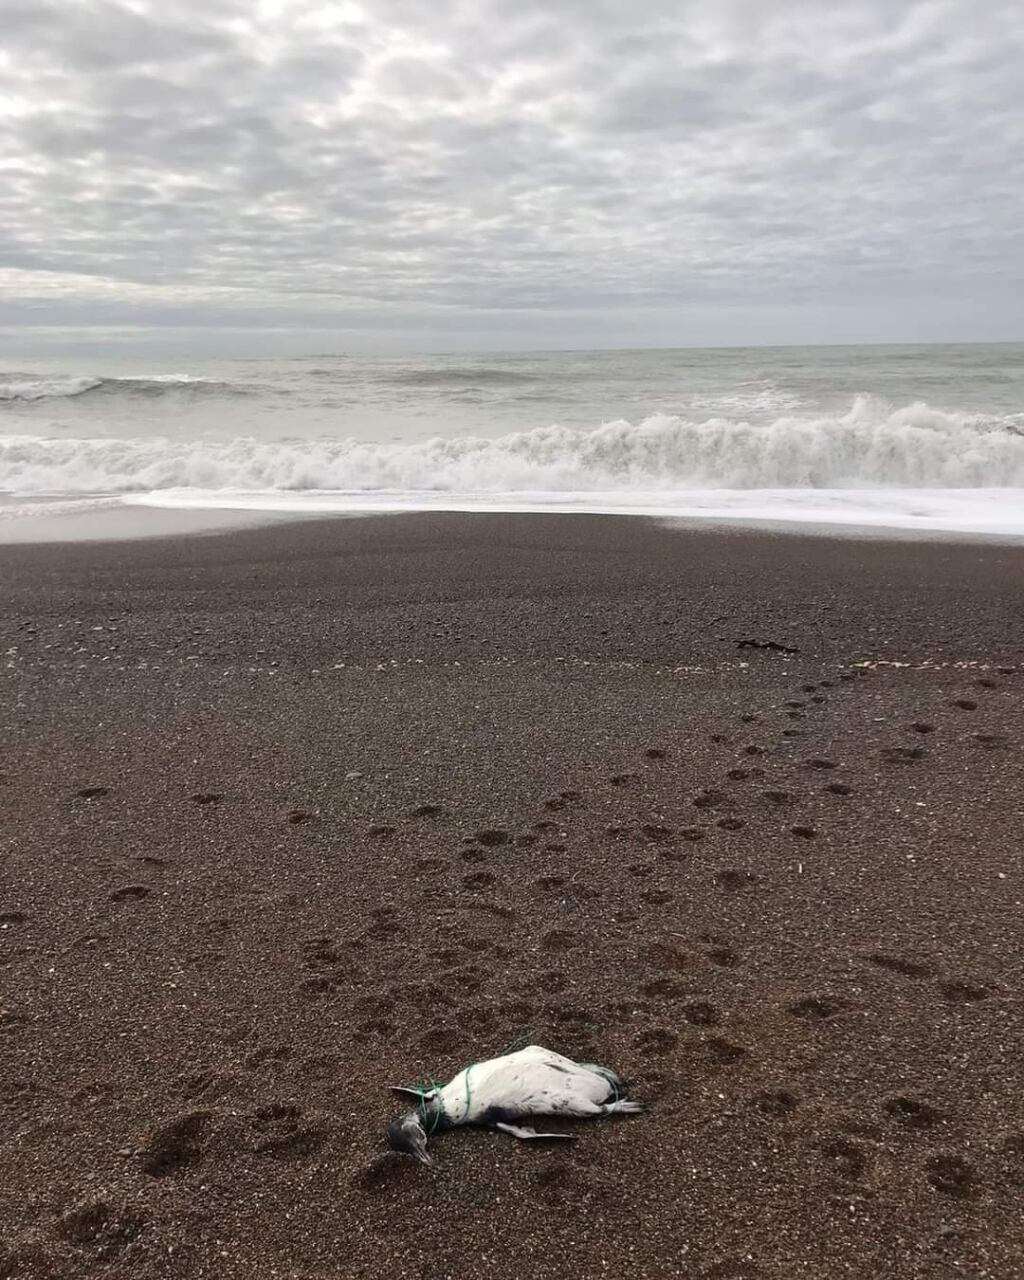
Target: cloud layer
[(402, 164)]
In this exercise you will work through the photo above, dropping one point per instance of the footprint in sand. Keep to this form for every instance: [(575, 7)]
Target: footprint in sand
[(206, 797), (478, 880), (709, 799), (733, 880), (699, 1013), (901, 755), (559, 940), (900, 964), (776, 1102), (816, 1008), (656, 1042), (952, 1176), (657, 833), (962, 991), (92, 793), (730, 824), (493, 837), (381, 831), (175, 1146), (839, 789), (911, 1113), (819, 763), (803, 832), (844, 1158), (965, 704), (130, 893), (655, 753), (427, 811)]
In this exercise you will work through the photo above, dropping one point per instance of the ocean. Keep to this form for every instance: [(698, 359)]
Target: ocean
[(918, 438)]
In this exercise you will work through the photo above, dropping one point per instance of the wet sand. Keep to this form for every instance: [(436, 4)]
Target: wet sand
[(292, 814)]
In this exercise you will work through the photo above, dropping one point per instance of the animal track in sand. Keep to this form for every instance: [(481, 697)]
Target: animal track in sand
[(749, 719), (12, 917), (298, 816), (525, 839), (819, 699), (640, 868), (816, 1008), (845, 1158), (804, 832), (94, 1225), (427, 811), (839, 789), (911, 1113), (721, 1051), (738, 775), (663, 989), (381, 831), (951, 1175), (796, 715), (709, 799), (206, 797), (659, 834), (573, 797), (794, 702), (965, 704), (901, 755), (776, 1102), (921, 726), (477, 880), (723, 957), (428, 866), (657, 897), (668, 959), (622, 779), (793, 733), (176, 1145), (493, 837), (752, 749), (899, 964), (701, 1014), (92, 793), (990, 740), (441, 1041), (818, 763), (778, 797), (281, 1135), (656, 1042), (546, 826), (130, 893), (733, 880), (962, 991), (552, 882), (692, 834), (730, 824), (655, 753), (559, 940)]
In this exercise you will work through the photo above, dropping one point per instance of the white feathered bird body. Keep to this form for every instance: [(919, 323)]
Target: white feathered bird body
[(500, 1092), (531, 1082)]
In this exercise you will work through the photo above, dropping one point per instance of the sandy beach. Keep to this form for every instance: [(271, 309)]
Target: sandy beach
[(293, 814)]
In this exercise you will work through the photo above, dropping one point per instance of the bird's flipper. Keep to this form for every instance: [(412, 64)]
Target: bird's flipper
[(526, 1133)]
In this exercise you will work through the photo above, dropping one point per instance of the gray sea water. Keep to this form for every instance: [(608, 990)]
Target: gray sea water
[(928, 437)]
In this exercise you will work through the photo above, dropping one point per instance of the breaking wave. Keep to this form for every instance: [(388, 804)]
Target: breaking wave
[(15, 387), (872, 446)]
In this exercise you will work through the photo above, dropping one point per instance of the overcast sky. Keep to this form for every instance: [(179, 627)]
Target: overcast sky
[(316, 175)]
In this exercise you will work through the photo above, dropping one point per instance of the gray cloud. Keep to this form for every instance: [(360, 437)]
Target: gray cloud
[(304, 162)]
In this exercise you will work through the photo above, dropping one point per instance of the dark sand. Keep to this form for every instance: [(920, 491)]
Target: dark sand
[(779, 891)]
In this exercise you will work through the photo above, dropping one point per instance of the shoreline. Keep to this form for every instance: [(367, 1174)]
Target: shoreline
[(294, 813)]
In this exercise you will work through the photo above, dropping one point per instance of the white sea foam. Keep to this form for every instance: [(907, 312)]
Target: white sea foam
[(871, 446)]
